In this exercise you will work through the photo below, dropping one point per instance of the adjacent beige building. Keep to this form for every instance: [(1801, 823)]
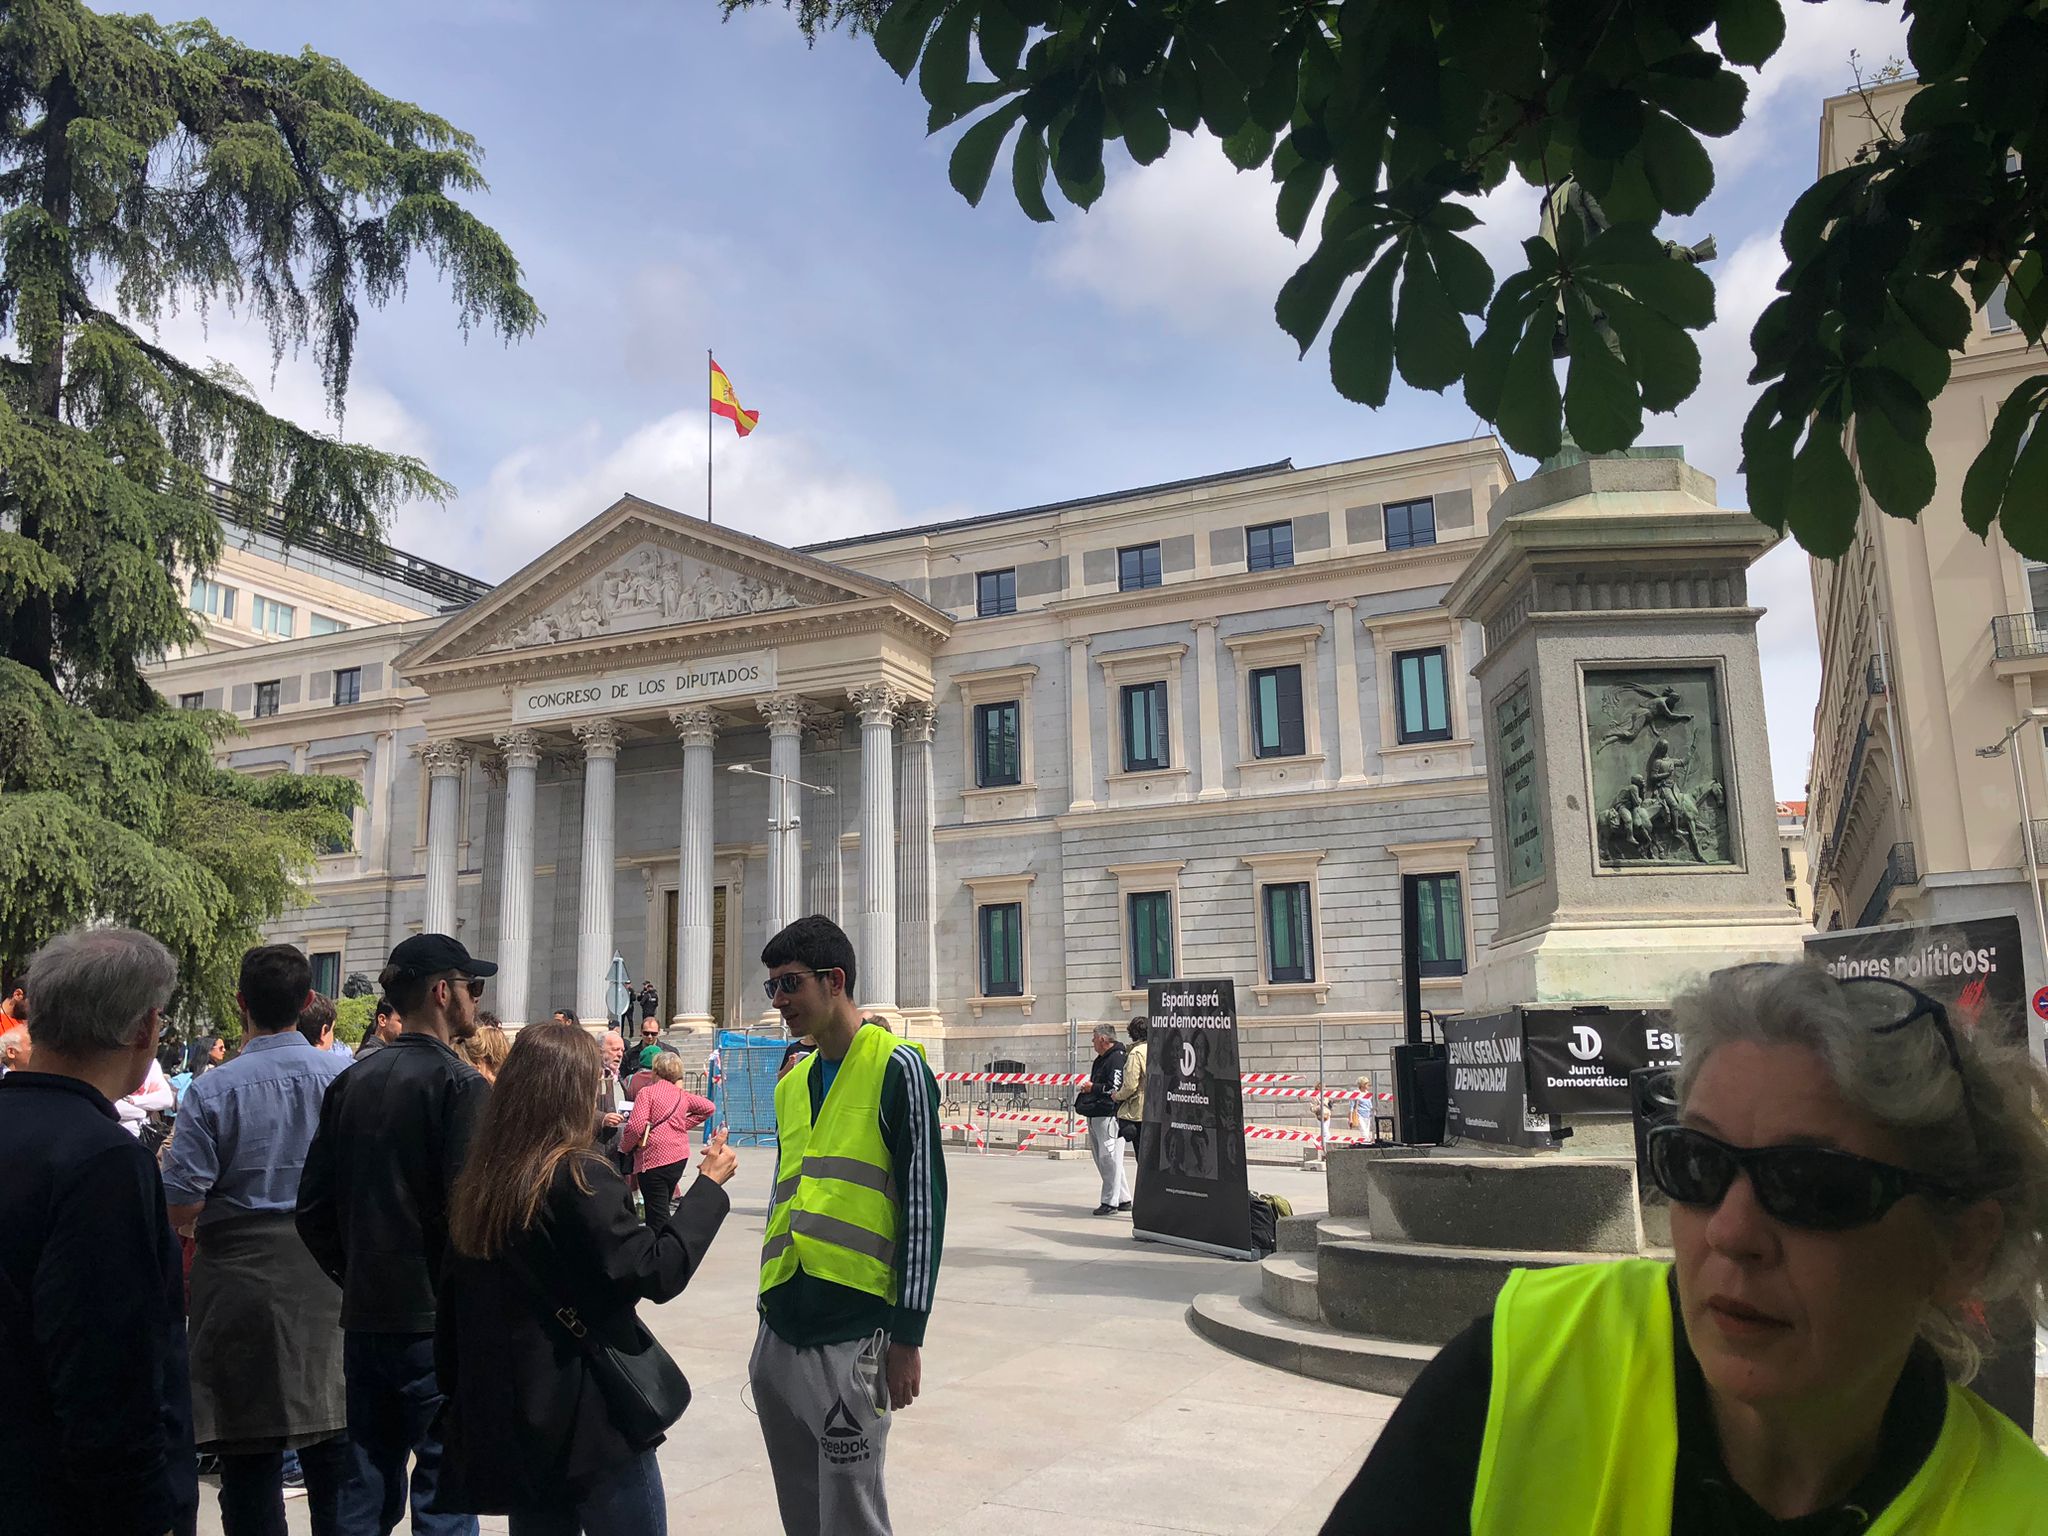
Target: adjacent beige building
[(1934, 646)]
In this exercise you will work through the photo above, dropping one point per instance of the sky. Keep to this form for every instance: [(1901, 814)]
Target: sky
[(673, 184)]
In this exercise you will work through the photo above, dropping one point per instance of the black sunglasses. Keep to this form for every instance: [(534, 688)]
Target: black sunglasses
[(787, 983), (1818, 1189), (474, 984)]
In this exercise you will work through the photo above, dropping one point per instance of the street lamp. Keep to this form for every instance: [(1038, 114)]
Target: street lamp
[(2033, 716)]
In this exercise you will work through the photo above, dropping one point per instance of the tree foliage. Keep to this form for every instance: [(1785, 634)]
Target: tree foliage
[(143, 168), (1379, 122)]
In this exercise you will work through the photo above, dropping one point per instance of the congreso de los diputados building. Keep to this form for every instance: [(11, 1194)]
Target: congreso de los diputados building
[(1029, 760)]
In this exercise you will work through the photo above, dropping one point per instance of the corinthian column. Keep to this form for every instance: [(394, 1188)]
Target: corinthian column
[(877, 703), (600, 740), (521, 756), (917, 865), (785, 716), (826, 819), (446, 763), (698, 729)]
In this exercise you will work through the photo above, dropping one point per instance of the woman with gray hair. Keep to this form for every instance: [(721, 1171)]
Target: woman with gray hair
[(1853, 1186)]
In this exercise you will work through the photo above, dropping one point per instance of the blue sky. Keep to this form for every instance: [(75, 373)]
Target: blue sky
[(672, 183)]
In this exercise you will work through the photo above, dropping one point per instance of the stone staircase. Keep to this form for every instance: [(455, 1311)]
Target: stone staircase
[(1416, 1245)]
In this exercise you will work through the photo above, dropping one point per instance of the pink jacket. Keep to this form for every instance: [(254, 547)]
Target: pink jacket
[(668, 1114)]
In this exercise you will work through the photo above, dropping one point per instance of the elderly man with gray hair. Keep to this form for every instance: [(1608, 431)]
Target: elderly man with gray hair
[(99, 1439), (1098, 1102), (16, 1049)]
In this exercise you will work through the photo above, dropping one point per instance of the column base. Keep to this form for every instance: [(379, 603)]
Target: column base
[(689, 1023), (1213, 794)]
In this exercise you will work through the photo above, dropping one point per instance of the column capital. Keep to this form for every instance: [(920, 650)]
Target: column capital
[(915, 721), (1078, 643), (698, 727), (1337, 603), (877, 702), (600, 738), (784, 712), (519, 748), (822, 730), (1208, 622), (444, 759)]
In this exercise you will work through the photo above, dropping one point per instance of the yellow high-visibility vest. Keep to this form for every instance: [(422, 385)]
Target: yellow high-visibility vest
[(834, 1213), (1582, 1425)]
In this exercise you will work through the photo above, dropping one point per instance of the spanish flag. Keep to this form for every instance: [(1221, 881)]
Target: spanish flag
[(727, 404)]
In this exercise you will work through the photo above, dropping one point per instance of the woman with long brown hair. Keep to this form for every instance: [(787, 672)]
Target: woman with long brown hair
[(541, 1229)]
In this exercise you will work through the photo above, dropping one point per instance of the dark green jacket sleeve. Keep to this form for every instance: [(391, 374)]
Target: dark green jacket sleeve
[(910, 1125)]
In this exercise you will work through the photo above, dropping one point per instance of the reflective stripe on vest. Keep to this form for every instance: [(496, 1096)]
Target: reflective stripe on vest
[(1582, 1423), (834, 1213)]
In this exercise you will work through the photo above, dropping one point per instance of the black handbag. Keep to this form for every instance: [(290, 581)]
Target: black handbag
[(644, 1389)]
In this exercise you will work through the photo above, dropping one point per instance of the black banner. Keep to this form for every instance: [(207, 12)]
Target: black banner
[(1973, 967), (1488, 1095), (1579, 1059), (1191, 1188)]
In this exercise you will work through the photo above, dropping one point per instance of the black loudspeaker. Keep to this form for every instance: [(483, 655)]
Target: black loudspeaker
[(1652, 1099), (1421, 1093)]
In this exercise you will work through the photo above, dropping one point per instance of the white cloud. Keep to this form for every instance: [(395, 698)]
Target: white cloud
[(1785, 95), (775, 487)]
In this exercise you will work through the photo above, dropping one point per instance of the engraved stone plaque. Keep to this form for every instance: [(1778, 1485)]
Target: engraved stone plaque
[(1521, 802)]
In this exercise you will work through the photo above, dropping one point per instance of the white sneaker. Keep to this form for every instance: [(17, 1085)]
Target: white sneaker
[(291, 1493)]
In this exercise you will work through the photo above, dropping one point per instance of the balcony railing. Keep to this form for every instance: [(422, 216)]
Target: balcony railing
[(2039, 829), (2014, 635), (1901, 868), (1873, 676)]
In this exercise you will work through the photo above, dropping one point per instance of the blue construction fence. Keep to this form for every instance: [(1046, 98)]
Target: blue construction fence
[(743, 1087)]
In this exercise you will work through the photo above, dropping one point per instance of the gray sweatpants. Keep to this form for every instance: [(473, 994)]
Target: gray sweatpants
[(1107, 1144), (824, 1433)]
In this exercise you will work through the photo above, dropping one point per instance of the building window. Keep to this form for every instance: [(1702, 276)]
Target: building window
[(1440, 923), (1137, 567), (997, 759), (348, 686), (1276, 713), (1002, 949), (1145, 730), (1269, 547), (1290, 942), (191, 701), (995, 592), (266, 699), (213, 600), (1151, 936), (1997, 318), (326, 972), (1411, 524), (1785, 858), (274, 618), (1422, 707), (323, 625)]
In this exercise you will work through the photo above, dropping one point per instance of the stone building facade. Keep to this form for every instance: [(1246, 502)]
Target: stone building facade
[(1205, 728)]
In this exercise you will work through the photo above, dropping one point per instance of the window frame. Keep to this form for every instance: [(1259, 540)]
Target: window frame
[(986, 918), (314, 958), (315, 619), (262, 608), (1140, 981), (220, 590), (356, 694), (1148, 878), (192, 700), (1135, 667), (997, 685), (1441, 969), (1160, 725), (1156, 571), (1005, 603), (981, 713), (1014, 890), (1426, 734), (1256, 711), (1412, 537), (1295, 895), (1275, 559), (276, 687), (1297, 867)]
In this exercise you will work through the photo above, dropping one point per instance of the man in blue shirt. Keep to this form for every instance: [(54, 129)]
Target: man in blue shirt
[(97, 1434), (265, 1320)]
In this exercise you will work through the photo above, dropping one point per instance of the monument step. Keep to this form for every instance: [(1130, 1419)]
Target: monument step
[(1288, 1285), (1416, 1292), (1246, 1326), (1298, 1233), (1342, 1229), (1547, 1203)]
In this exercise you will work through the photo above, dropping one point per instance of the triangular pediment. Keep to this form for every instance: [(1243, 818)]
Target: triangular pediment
[(634, 569)]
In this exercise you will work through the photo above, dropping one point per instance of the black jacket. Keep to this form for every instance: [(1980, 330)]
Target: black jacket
[(373, 1200), (1105, 1076), (525, 1422), (96, 1432)]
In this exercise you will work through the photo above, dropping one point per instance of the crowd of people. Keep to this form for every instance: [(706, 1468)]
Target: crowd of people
[(409, 1279)]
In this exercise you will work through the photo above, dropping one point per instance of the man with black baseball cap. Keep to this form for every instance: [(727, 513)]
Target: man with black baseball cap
[(373, 1208)]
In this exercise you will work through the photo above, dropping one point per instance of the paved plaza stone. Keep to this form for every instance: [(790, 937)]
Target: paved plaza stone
[(1064, 1392)]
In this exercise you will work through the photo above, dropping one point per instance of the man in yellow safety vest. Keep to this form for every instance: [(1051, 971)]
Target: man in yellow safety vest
[(850, 1258)]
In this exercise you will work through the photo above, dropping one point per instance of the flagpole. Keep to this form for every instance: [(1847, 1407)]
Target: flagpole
[(709, 363)]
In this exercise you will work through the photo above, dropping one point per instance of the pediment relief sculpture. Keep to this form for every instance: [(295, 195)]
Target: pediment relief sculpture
[(648, 589)]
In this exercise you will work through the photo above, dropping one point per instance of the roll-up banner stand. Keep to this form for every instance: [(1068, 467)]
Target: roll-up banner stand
[(1191, 1185)]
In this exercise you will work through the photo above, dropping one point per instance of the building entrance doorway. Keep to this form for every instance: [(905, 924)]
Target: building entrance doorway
[(719, 957)]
